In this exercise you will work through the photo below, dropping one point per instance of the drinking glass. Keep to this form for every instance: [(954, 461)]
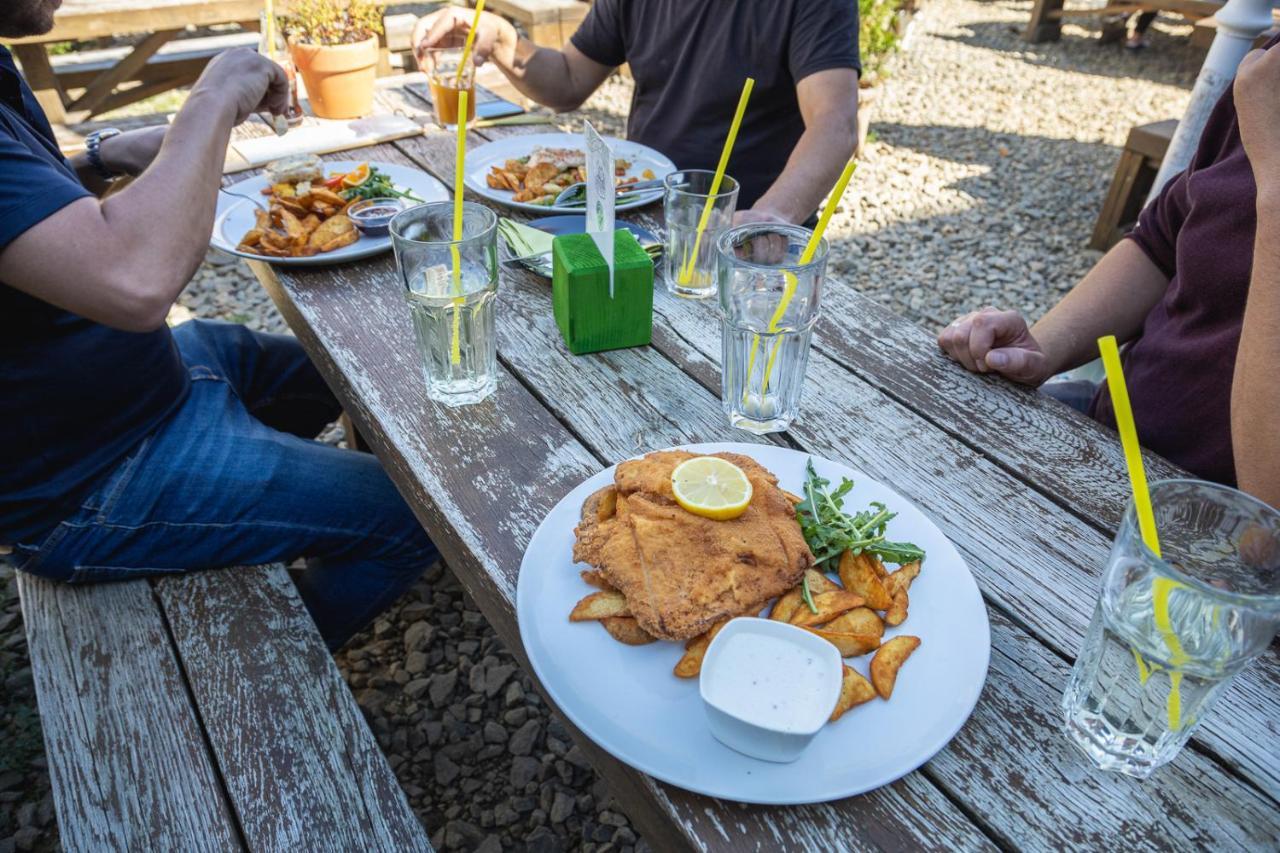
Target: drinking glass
[(1169, 633), (689, 264), (769, 304), (453, 314), (447, 76)]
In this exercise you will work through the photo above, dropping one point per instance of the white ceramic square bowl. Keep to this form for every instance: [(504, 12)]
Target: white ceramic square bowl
[(728, 709)]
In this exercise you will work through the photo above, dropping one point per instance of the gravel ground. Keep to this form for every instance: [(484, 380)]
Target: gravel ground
[(990, 161)]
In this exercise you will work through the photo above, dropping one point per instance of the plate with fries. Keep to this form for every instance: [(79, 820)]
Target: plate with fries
[(527, 172), (312, 229), (617, 639)]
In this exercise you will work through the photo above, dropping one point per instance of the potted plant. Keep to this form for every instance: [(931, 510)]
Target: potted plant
[(334, 45), (879, 33)]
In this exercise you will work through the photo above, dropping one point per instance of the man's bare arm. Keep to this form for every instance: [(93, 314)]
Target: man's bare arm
[(1113, 299), (829, 106), (122, 261), (128, 154), (1255, 394), (559, 79)]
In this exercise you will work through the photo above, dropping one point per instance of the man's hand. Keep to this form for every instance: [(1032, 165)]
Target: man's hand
[(246, 82), (1258, 108), (992, 341), (449, 27)]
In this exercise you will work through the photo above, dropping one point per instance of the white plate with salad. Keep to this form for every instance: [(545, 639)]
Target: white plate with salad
[(627, 699), (351, 180), (498, 170)]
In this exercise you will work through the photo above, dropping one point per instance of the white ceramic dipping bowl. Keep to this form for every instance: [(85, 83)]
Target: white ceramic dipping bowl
[(769, 687)]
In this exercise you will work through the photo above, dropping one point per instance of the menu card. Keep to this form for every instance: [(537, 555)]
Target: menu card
[(601, 196)]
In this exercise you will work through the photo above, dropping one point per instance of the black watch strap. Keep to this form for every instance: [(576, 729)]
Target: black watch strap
[(93, 151)]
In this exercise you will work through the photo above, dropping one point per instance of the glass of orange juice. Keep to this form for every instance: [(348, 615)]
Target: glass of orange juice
[(448, 76)]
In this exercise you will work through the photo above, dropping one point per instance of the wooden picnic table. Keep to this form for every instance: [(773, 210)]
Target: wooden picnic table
[(1030, 492), (162, 20)]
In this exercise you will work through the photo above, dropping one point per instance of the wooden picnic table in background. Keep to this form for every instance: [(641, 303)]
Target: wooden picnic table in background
[(1047, 15), (1030, 492)]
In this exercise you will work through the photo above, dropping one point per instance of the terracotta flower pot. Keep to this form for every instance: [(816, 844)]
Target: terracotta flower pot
[(339, 78)]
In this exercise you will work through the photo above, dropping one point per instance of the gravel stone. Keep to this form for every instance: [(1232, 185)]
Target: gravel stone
[(522, 741), (561, 807), (442, 685), (523, 771), (494, 733), (417, 636)]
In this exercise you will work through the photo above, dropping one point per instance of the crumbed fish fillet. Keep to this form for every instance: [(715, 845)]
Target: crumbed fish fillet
[(682, 573)]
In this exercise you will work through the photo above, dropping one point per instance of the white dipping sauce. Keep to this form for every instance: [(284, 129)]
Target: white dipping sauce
[(770, 682)]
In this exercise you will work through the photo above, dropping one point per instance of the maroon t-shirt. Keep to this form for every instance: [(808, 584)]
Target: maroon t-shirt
[(1199, 231)]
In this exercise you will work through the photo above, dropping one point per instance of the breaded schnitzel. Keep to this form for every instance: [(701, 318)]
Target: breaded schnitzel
[(681, 573)]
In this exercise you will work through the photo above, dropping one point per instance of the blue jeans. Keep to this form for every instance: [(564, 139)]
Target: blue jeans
[(233, 478)]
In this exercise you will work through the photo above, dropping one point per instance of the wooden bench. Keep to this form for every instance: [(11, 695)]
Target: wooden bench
[(203, 712), (1045, 23), (1135, 173)]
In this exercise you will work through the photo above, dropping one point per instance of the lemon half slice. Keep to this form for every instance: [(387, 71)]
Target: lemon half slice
[(711, 487)]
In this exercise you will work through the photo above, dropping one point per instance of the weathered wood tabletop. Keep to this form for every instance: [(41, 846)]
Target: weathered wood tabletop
[(1029, 491)]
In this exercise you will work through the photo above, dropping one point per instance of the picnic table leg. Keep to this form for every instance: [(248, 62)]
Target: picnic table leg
[(100, 90), (44, 83), (1046, 21)]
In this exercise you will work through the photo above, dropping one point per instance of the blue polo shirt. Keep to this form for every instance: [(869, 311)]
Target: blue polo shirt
[(77, 395)]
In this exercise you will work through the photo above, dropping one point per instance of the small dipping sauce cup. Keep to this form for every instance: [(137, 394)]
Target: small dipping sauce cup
[(769, 687), (373, 215)]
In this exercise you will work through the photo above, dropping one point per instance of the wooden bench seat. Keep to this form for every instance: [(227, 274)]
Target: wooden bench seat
[(203, 712), (1135, 173)]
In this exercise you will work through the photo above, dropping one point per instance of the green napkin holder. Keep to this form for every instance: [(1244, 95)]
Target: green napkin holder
[(589, 320)]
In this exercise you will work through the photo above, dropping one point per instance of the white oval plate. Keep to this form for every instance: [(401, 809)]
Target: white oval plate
[(626, 699), (496, 153), (236, 215)]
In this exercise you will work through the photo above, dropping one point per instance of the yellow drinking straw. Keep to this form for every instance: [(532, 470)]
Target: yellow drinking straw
[(810, 249), (459, 166), (466, 48), (1160, 587), (687, 272)]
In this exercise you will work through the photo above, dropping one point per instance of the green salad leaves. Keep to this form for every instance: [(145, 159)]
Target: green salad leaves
[(830, 531)]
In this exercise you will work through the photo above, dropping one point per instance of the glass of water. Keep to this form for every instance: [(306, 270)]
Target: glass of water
[(452, 288), (1169, 633), (689, 262), (769, 303)]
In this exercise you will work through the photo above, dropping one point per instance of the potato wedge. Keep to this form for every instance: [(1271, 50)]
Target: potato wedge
[(818, 582), (599, 605), (854, 690), (850, 645), (888, 660), (596, 578), (786, 605), (858, 574), (338, 242), (310, 223), (324, 195), (829, 604), (860, 620), (897, 614), (626, 630), (902, 578), (690, 663)]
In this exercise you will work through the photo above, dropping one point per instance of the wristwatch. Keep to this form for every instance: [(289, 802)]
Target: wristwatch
[(93, 150)]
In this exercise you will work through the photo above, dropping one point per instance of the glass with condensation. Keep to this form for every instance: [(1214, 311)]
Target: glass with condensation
[(1169, 633)]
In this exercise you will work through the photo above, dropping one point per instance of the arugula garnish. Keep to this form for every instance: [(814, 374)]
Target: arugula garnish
[(830, 531)]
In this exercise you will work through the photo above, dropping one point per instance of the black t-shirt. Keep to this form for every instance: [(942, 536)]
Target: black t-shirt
[(689, 59), (77, 395)]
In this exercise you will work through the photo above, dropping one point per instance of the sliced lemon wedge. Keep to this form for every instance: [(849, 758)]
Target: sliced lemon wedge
[(711, 487)]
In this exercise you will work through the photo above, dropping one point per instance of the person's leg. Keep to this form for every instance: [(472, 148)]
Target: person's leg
[(270, 373), (214, 487), (1137, 38), (1076, 393)]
